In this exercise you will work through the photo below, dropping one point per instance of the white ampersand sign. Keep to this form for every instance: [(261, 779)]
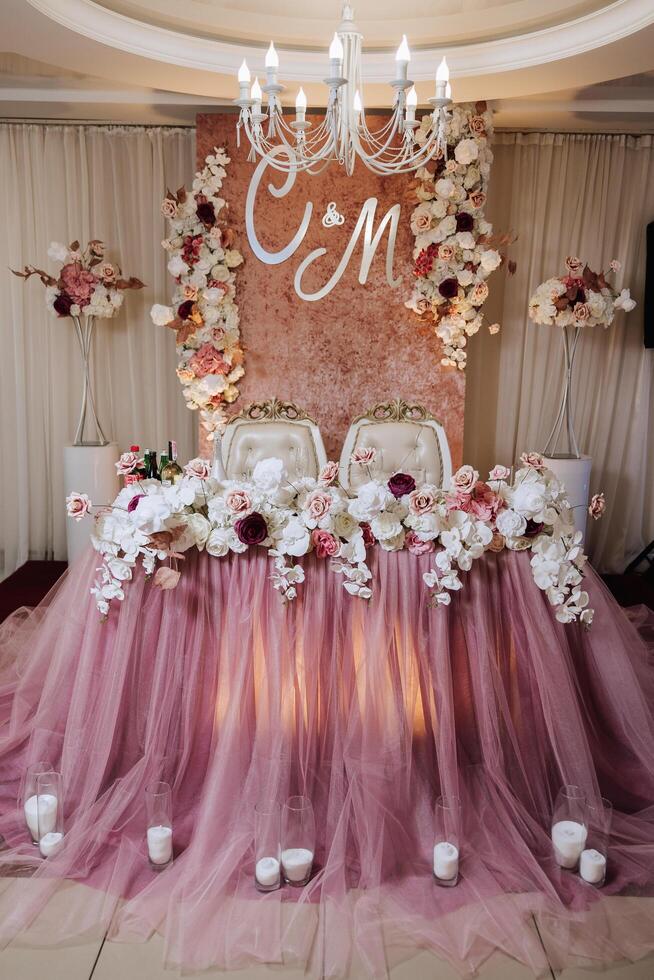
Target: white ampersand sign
[(366, 218)]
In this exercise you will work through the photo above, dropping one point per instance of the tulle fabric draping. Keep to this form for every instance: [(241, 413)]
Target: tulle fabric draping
[(372, 709)]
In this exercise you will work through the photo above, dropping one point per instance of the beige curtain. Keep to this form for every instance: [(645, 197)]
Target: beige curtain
[(592, 196), (61, 183)]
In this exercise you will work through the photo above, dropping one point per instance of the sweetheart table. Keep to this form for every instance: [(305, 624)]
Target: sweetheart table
[(372, 710)]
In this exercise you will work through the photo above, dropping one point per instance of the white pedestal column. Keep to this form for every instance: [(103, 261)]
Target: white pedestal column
[(575, 474), (90, 470)]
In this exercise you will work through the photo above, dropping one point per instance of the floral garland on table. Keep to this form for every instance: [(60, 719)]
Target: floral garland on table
[(87, 285), (204, 314), (454, 250), (157, 524), (580, 298)]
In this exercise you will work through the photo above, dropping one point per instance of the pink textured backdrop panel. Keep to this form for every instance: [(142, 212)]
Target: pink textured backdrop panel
[(357, 346)]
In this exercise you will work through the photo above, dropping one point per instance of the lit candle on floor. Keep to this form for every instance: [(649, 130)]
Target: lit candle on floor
[(297, 862), (267, 872), (47, 803), (160, 844), (446, 861), (50, 843), (569, 838), (592, 866)]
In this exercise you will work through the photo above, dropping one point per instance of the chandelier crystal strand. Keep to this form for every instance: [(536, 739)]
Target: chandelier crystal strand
[(342, 135)]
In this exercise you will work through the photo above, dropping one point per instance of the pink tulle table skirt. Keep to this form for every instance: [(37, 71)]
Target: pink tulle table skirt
[(371, 709)]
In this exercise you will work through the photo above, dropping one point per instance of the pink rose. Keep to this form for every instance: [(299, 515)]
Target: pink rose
[(208, 360), (445, 252), (479, 294), (416, 545), (326, 545), (200, 468), (364, 454), (127, 463), (535, 460), (477, 125), (317, 504), (77, 282), (478, 199), (421, 502), (499, 472), (574, 265), (78, 505), (328, 473), (107, 272), (597, 506), (168, 208), (581, 312), (238, 501), (464, 479), (484, 503), (190, 292)]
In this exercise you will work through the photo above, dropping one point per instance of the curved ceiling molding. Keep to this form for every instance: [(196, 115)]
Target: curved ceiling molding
[(593, 30)]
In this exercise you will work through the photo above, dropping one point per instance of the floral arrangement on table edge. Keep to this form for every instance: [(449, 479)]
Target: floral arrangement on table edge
[(580, 298), (203, 314), (455, 250), (87, 285), (157, 524)]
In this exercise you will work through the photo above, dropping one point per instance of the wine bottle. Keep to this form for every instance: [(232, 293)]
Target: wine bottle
[(152, 468), (171, 473), (163, 463)]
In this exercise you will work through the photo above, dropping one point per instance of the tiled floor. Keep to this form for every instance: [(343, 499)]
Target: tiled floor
[(117, 961)]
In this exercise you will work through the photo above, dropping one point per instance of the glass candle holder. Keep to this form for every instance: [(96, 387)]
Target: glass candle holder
[(592, 863), (30, 796), (447, 840), (159, 814), (569, 826), (49, 812), (267, 846), (298, 840)]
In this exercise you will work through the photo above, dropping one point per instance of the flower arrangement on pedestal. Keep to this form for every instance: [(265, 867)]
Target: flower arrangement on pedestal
[(455, 250), (155, 524), (88, 288), (580, 298), (204, 314)]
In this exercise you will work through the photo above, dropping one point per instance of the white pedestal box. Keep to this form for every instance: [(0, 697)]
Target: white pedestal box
[(90, 470), (575, 474)]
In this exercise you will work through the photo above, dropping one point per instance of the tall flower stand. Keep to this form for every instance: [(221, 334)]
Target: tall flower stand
[(572, 468), (91, 469)]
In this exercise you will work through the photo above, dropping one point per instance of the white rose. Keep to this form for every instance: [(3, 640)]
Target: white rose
[(490, 259), (529, 498), (268, 473), (466, 151), (161, 315), (218, 541), (58, 252), (151, 513), (370, 501), (177, 266), (444, 187), (386, 526), (510, 524), (196, 531)]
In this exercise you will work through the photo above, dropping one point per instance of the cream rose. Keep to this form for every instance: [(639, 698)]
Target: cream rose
[(421, 501), (78, 505), (464, 479), (238, 501), (199, 468), (169, 208), (317, 504)]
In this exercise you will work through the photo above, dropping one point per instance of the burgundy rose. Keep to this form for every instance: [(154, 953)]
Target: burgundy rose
[(206, 213), (134, 502), (401, 483), (449, 288), (464, 221), (62, 304), (533, 528), (368, 536), (185, 309), (251, 529)]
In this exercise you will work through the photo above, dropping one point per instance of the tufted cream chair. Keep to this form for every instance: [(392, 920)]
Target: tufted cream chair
[(407, 439), (272, 428)]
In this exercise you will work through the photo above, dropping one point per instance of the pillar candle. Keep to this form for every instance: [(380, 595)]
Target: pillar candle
[(297, 862), (50, 844), (446, 861), (592, 866), (267, 871), (569, 838), (47, 803), (160, 844)]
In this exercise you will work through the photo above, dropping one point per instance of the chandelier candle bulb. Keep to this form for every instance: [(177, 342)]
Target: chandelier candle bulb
[(272, 64), (244, 78), (446, 861), (448, 91), (297, 863), (256, 95), (442, 79), (569, 839), (592, 866), (336, 57), (300, 105), (411, 103)]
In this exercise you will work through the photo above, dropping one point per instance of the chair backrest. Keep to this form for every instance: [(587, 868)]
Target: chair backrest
[(272, 428), (407, 439)]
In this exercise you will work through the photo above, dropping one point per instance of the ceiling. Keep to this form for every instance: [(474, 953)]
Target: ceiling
[(544, 64)]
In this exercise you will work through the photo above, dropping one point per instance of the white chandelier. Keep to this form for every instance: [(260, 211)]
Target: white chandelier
[(343, 134)]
